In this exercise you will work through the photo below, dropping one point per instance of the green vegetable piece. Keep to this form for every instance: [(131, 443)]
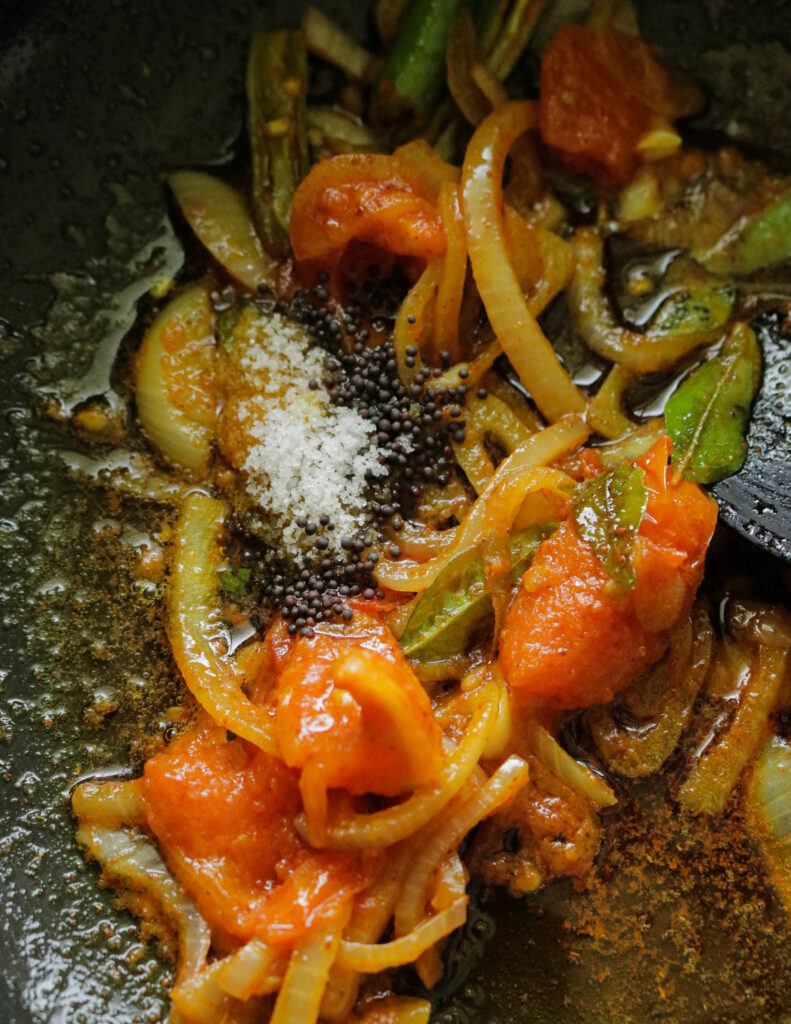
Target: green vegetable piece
[(607, 513), (701, 309), (276, 87), (227, 319), (707, 416), (457, 604), (449, 610), (524, 544), (234, 582), (762, 242), (414, 73)]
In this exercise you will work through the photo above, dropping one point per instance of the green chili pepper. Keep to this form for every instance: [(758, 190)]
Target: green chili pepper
[(276, 87), (414, 74)]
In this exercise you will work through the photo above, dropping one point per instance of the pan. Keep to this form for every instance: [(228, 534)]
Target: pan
[(97, 101)]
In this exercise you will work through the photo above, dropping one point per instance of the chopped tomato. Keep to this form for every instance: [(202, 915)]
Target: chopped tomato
[(313, 892), (600, 91), (223, 814), (571, 637), (352, 714), (369, 198), (678, 515)]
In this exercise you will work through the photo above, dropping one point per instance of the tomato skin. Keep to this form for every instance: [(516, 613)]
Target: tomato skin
[(600, 91), (571, 638), (368, 198)]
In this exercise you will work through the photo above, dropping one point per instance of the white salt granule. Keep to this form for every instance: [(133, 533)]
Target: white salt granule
[(279, 351), (304, 456)]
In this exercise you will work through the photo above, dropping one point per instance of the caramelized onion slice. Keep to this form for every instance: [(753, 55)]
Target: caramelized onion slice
[(174, 381), (763, 638), (574, 774), (212, 678), (481, 802), (219, 217), (638, 353), (131, 858), (517, 330), (369, 958), (115, 802), (307, 973)]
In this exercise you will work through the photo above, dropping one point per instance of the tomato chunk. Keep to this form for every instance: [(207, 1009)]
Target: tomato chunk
[(369, 198), (571, 638), (352, 714), (600, 91), (223, 813)]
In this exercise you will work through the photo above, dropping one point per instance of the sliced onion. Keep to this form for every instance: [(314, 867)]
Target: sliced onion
[(503, 785), (114, 802), (557, 269), (488, 417), (174, 382), (500, 735), (342, 131), (716, 771), (517, 330), (605, 412), (450, 881), (491, 516), (475, 369), (489, 85), (454, 270), (661, 702), (198, 999), (219, 217), (422, 541), (410, 323), (212, 679), (420, 158), (768, 806), (491, 511), (639, 353), (370, 915), (254, 970), (328, 40), (578, 776), (371, 958), (507, 393), (474, 459), (307, 974), (770, 788), (131, 858)]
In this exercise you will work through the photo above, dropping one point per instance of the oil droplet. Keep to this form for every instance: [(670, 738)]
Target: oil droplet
[(28, 783)]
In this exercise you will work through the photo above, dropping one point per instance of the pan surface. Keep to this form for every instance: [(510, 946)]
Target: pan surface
[(97, 99)]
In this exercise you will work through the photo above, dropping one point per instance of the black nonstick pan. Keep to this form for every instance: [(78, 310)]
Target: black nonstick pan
[(97, 99)]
